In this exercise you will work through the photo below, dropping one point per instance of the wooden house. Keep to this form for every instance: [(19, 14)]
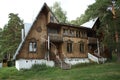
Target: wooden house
[(50, 42)]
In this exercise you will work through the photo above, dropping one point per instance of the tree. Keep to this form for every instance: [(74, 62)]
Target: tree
[(59, 13), (108, 23), (11, 35), (78, 21), (0, 41)]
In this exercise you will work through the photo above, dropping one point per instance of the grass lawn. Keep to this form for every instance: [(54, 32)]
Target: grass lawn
[(107, 71)]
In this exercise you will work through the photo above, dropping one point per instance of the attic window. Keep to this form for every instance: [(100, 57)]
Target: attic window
[(32, 47), (51, 18)]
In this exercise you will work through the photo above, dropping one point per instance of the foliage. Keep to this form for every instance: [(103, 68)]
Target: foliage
[(108, 71), (108, 24), (39, 67), (59, 13), (78, 21), (0, 42), (11, 35)]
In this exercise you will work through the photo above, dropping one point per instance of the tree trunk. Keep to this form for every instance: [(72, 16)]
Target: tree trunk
[(118, 56)]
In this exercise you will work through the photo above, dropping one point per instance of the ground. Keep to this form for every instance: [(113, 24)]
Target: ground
[(107, 71)]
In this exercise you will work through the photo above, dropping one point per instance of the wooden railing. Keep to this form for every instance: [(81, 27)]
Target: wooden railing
[(55, 37)]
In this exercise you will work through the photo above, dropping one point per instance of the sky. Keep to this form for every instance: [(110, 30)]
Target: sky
[(28, 9)]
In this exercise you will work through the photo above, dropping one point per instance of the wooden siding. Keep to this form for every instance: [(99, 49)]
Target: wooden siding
[(24, 52), (92, 40), (76, 48), (60, 40), (56, 37)]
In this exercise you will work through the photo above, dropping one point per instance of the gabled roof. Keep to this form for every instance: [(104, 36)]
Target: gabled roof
[(90, 23), (26, 33)]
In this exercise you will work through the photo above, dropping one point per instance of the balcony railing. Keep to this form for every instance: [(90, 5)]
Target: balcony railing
[(56, 37), (92, 40)]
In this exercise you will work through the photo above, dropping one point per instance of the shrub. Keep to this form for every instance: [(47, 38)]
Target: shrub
[(39, 67), (83, 65)]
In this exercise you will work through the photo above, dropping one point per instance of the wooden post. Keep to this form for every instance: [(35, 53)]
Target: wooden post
[(98, 47), (48, 48)]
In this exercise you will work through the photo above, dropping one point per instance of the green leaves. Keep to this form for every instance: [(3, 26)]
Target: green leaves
[(11, 35), (59, 13)]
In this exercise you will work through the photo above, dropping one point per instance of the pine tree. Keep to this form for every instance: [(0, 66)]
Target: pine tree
[(11, 35)]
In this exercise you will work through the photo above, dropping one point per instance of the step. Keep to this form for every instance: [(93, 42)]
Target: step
[(64, 65)]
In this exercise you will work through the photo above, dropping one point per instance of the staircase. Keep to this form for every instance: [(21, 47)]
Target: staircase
[(59, 62), (96, 57)]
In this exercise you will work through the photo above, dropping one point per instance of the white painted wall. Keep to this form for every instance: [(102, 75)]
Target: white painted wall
[(27, 63), (74, 61), (0, 65)]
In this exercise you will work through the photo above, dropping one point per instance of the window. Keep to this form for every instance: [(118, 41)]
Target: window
[(72, 33), (83, 34), (78, 34), (51, 18), (32, 47), (82, 47), (65, 32), (69, 47)]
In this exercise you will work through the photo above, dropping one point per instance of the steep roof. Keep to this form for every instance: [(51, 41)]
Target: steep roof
[(30, 27), (90, 23)]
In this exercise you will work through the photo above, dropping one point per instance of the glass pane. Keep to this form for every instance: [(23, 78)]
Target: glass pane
[(30, 47)]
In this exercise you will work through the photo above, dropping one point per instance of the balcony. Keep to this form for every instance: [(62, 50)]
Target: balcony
[(55, 37), (92, 40)]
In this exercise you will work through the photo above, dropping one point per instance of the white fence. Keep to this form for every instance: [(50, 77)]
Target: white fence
[(27, 64)]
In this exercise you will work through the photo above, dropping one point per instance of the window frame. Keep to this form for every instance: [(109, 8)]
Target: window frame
[(32, 48), (81, 47), (69, 46), (51, 18)]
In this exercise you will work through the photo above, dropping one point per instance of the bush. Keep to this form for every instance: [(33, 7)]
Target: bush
[(10, 63), (39, 67), (83, 65)]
